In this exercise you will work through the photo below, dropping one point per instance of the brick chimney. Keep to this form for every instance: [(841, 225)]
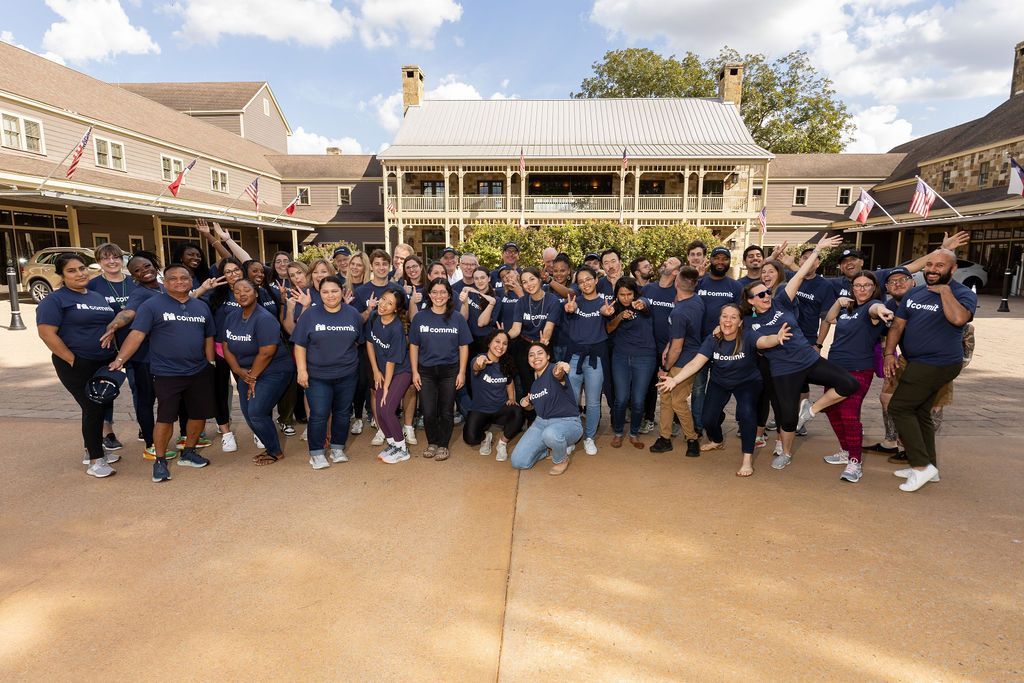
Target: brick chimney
[(1017, 82), (412, 87), (334, 150), (730, 83)]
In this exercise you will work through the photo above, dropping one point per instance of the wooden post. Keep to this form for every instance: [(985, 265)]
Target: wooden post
[(263, 246), (295, 244), (899, 247), (74, 234), (158, 239)]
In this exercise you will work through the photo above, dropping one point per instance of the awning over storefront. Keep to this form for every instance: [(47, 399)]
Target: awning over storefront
[(938, 222)]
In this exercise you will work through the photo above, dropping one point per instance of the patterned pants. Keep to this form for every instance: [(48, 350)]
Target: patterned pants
[(845, 415)]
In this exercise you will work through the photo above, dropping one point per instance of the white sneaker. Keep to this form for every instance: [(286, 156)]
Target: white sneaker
[(110, 456), (396, 455), (905, 473), (410, 434), (806, 415), (227, 442), (918, 478), (569, 449), (378, 438), (589, 447), (646, 427), (502, 454), (485, 447), (100, 469), (319, 462), (852, 473), (838, 458), (778, 447), (357, 426), (256, 441), (458, 418), (305, 435), (779, 462), (338, 455)]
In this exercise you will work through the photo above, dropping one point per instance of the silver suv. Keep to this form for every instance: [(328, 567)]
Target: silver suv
[(39, 276)]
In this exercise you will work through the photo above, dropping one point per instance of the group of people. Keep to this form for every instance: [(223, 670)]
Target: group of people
[(527, 352)]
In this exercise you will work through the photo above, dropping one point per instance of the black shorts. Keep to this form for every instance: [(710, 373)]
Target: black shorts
[(195, 390)]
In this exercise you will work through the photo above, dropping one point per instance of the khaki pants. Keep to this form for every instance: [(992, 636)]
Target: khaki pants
[(677, 404)]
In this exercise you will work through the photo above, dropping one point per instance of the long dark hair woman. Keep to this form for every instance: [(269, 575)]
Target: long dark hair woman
[(634, 357), (266, 296), (388, 355), (190, 255), (536, 314), (492, 375), (70, 322), (439, 341), (586, 342)]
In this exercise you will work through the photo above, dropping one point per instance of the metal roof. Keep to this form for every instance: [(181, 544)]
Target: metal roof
[(574, 128)]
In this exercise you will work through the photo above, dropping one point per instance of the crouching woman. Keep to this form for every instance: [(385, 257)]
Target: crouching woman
[(557, 427)]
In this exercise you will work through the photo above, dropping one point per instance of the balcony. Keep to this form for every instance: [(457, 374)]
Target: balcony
[(576, 204), (418, 202), (489, 202), (573, 204)]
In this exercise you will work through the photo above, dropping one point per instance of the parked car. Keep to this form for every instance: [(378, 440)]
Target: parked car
[(968, 273), (40, 278)]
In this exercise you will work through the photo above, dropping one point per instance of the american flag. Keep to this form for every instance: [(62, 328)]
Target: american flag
[(522, 162), (923, 198), (253, 190), (173, 187), (863, 207), (290, 209), (77, 154), (625, 159), (391, 205), (1016, 179), (762, 219)]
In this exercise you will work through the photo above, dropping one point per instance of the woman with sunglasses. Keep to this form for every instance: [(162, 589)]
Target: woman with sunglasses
[(557, 426)]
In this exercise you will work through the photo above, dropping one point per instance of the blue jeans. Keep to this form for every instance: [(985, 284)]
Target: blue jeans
[(557, 433), (747, 396), (258, 411), (329, 398), (700, 383), (592, 379), (108, 413), (631, 376)]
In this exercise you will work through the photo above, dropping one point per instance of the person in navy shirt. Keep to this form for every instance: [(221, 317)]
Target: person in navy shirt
[(180, 330), (266, 296), (262, 365), (388, 353), (70, 322), (734, 374), (753, 259), (662, 295), (327, 339), (479, 306), (492, 375), (791, 359), (685, 324), (536, 314), (439, 340), (557, 426), (508, 296), (587, 349), (634, 357), (222, 303), (929, 329)]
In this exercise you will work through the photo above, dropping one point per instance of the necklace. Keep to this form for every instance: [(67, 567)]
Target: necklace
[(535, 311), (124, 287)]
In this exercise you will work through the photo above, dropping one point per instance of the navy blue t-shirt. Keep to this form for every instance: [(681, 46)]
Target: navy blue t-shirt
[(331, 341), (635, 336), (586, 326), (220, 316), (715, 294), (813, 300), (268, 301), (389, 344), (687, 323), (842, 286), (928, 337), (138, 297), (535, 314), (177, 334), (663, 300), (606, 288), (507, 301), (796, 354), (853, 346), (489, 388), (244, 337), (730, 367), (477, 305), (364, 291), (746, 280), (439, 339), (80, 319), (116, 293), (551, 398)]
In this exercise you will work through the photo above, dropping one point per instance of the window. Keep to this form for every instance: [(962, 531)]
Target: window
[(380, 196), (266, 107), (799, 196), (648, 187), (170, 167), (434, 188), (758, 189), (21, 133), (983, 174), (303, 194), (493, 187), (99, 238), (713, 188), (344, 196), (136, 243), (109, 154), (946, 181), (218, 180), (844, 196)]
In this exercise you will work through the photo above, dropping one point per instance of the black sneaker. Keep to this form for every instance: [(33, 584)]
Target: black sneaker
[(160, 471), (899, 459), (111, 443), (692, 448), (661, 445), (190, 458), (140, 437)]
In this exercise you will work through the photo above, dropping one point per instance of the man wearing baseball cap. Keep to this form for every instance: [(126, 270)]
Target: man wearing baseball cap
[(510, 258), (341, 257), (851, 262), (450, 260)]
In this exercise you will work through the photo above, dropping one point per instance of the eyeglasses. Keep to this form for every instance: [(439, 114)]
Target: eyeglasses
[(866, 285), (896, 283), (763, 294)]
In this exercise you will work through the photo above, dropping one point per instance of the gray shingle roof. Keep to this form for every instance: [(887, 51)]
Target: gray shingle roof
[(231, 96), (326, 166), (574, 128), (849, 166)]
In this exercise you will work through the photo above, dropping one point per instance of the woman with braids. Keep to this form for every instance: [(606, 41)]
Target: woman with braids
[(388, 352), (634, 357), (267, 297), (492, 375)]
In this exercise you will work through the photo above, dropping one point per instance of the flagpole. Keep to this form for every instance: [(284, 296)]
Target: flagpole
[(283, 210), (237, 197), (940, 197), (879, 205), (54, 169), (159, 196)]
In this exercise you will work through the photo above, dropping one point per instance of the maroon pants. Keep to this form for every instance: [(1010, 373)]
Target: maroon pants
[(387, 418), (845, 415)]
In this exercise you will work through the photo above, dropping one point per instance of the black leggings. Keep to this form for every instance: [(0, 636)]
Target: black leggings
[(510, 418), (767, 399), (362, 396), (787, 389), (222, 390), (145, 400), (520, 348), (437, 399), (74, 378)]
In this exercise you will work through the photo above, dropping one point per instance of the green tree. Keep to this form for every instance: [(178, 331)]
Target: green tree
[(787, 105), (325, 250)]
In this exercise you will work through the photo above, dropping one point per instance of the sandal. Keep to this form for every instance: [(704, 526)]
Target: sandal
[(265, 458), (617, 441), (712, 446), (741, 473), (637, 443), (430, 451), (442, 454)]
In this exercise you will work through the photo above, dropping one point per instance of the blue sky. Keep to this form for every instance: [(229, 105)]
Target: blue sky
[(905, 68)]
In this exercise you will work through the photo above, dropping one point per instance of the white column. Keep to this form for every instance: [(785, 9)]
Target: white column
[(508, 189), (158, 238), (686, 188), (622, 194), (636, 199), (387, 217), (262, 245), (398, 203), (295, 244), (700, 189)]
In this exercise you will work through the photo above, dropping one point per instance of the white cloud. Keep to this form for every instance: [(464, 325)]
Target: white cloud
[(879, 129), (8, 37), (381, 21), (94, 30), (383, 146), (307, 22), (388, 109), (459, 42), (504, 83), (308, 142)]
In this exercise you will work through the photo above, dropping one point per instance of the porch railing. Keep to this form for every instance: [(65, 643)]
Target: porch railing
[(418, 202)]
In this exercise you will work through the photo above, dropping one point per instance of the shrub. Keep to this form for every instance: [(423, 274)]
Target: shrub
[(324, 250)]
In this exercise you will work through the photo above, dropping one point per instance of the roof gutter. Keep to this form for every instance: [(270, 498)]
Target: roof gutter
[(938, 222)]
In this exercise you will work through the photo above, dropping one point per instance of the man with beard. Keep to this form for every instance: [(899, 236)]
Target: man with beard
[(510, 258), (753, 259), (641, 270), (661, 294), (928, 327), (715, 289), (851, 262)]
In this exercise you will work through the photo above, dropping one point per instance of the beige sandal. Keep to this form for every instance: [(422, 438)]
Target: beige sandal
[(712, 446)]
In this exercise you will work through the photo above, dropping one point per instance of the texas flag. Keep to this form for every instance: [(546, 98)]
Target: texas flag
[(862, 209), (173, 187), (1016, 179), (290, 209)]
